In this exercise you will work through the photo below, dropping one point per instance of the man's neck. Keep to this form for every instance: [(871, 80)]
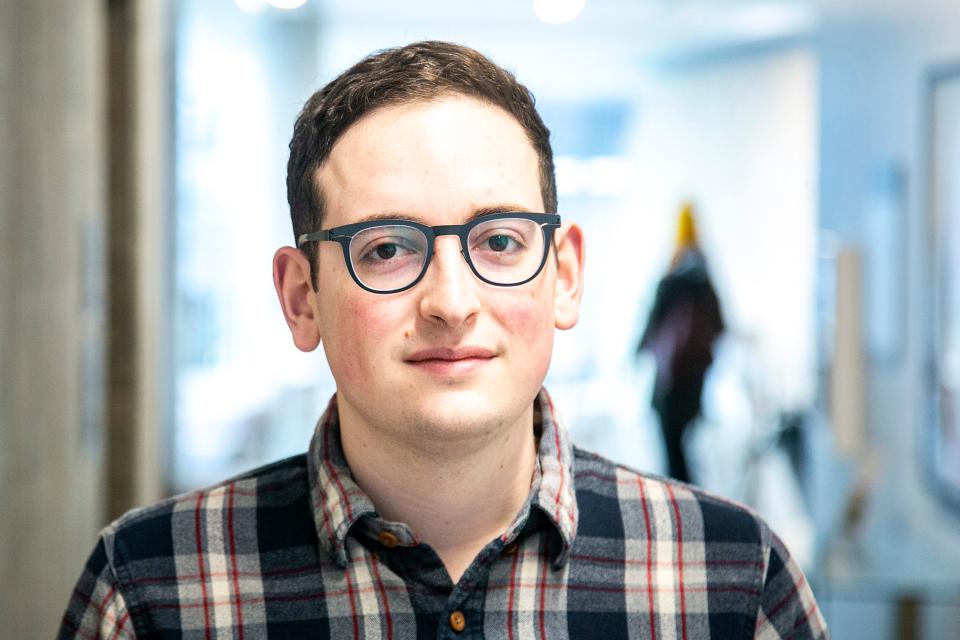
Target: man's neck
[(458, 502)]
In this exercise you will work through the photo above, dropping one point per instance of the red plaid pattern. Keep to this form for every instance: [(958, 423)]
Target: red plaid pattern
[(293, 550)]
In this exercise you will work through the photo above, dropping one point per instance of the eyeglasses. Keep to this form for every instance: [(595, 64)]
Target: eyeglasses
[(389, 256)]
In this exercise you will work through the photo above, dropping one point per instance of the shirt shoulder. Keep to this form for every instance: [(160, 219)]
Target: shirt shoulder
[(155, 530), (149, 554), (695, 514), (717, 550)]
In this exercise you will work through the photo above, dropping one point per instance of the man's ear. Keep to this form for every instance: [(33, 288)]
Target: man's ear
[(569, 285), (291, 278)]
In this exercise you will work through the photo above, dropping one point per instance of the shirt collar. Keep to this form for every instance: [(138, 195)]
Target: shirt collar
[(338, 502)]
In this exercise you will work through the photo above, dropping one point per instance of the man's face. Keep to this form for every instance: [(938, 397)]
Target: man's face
[(442, 162)]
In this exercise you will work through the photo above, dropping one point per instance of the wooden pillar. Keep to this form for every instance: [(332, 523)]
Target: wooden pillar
[(85, 98), (52, 304), (140, 135)]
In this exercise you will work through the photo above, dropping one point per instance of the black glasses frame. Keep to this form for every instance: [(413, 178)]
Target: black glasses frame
[(344, 235)]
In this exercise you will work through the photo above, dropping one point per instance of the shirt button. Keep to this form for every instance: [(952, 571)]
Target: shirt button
[(457, 621), (388, 540), (510, 549)]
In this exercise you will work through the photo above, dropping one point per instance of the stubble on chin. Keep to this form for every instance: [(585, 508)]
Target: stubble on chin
[(444, 432)]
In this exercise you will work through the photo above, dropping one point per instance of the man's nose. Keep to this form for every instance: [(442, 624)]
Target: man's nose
[(449, 286)]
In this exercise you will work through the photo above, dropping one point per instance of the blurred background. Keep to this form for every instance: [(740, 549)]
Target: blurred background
[(143, 353)]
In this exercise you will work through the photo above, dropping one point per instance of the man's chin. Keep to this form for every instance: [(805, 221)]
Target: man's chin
[(466, 412)]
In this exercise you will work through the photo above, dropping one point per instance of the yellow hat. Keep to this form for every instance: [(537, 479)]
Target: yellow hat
[(686, 228)]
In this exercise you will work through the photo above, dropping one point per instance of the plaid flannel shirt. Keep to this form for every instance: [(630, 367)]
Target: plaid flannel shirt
[(296, 550)]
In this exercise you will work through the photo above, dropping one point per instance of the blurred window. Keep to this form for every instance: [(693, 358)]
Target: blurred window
[(944, 433), (244, 394)]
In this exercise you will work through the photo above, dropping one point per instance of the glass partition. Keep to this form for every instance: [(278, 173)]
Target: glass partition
[(944, 433)]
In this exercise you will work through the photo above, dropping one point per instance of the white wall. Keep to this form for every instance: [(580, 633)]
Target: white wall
[(873, 111), (738, 137)]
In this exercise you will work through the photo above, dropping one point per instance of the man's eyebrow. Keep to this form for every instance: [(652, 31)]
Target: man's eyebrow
[(508, 207), (391, 215), (476, 213)]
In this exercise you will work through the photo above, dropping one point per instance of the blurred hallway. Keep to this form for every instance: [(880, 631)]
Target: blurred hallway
[(141, 196)]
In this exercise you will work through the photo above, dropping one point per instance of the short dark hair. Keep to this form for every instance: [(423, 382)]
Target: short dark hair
[(421, 71)]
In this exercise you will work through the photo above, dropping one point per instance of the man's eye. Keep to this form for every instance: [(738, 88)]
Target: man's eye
[(500, 242), (386, 250)]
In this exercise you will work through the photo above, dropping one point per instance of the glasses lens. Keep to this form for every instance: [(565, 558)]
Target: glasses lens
[(388, 257), (506, 250)]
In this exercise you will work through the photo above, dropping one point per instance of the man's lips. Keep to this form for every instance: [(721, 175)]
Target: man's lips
[(450, 354), (450, 361)]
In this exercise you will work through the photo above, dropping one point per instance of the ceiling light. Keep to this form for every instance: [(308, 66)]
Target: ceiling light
[(558, 11), (773, 20), (287, 4), (250, 6)]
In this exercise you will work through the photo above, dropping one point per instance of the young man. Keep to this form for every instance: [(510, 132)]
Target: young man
[(440, 496)]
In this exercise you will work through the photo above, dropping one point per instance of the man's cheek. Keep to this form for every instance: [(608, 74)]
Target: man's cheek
[(367, 316), (531, 324), (348, 335)]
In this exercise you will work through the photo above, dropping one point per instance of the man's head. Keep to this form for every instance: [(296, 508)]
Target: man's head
[(453, 358), (419, 72)]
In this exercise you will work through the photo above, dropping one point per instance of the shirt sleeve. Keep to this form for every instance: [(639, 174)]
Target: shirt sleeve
[(97, 609), (787, 606)]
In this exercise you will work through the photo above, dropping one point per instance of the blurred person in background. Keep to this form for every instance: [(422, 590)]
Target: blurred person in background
[(684, 323), (440, 495)]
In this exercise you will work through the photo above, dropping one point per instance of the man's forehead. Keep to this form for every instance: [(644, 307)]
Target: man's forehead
[(477, 212), (395, 156), (410, 120)]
